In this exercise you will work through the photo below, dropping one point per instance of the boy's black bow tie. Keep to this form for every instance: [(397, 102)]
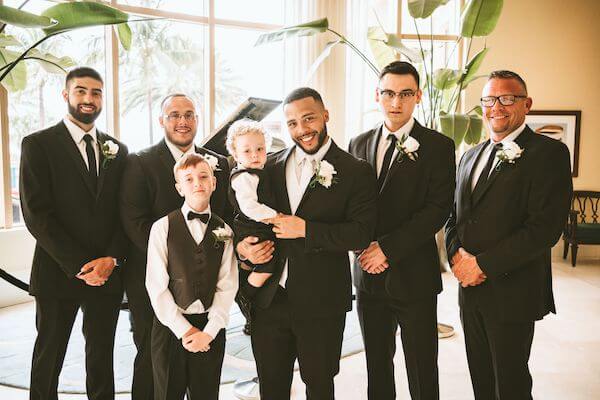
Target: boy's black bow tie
[(203, 217)]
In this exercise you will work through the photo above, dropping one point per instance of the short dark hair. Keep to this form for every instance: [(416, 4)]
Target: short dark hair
[(302, 93), (173, 95), (83, 72), (505, 74), (400, 68)]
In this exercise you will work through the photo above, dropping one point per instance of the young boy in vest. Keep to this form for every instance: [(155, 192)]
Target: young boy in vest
[(191, 279)]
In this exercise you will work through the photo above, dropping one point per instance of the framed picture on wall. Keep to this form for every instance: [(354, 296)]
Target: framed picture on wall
[(559, 125)]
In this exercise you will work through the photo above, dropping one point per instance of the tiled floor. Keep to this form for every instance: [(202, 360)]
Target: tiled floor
[(565, 359)]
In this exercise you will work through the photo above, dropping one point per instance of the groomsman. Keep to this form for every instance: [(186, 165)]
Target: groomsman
[(397, 275), (69, 183), (328, 201), (147, 194), (512, 198)]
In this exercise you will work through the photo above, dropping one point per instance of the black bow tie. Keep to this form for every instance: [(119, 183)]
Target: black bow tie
[(203, 217)]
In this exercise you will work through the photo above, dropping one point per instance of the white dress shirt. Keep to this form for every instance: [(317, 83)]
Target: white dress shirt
[(77, 134), (384, 143), (157, 280), (245, 185), (300, 164), (176, 151), (485, 154)]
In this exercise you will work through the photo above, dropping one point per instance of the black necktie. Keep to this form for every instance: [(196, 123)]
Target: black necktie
[(202, 217), (387, 159), (486, 170), (91, 157)]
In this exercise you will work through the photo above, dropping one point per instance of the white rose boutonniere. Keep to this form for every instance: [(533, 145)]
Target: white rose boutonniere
[(212, 161), (222, 235), (509, 153), (109, 152), (408, 146), (324, 175)]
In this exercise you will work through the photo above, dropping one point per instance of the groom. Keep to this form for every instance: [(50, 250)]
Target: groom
[(328, 200)]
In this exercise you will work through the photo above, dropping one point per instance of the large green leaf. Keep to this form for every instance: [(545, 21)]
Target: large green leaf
[(480, 17), (17, 78), (305, 29), (51, 63), (424, 8), (124, 33), (445, 78), (8, 40), (81, 14), (24, 19), (470, 73), (395, 42), (455, 126), (474, 133), (382, 53)]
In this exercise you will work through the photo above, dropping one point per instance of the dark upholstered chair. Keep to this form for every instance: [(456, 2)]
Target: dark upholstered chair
[(583, 225)]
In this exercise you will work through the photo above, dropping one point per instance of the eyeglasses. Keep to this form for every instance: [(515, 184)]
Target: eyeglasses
[(505, 100), (188, 116), (388, 95)]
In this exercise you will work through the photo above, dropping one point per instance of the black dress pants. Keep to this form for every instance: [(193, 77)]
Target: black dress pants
[(379, 318), (279, 337), (141, 317), (178, 372), (498, 356), (54, 322)]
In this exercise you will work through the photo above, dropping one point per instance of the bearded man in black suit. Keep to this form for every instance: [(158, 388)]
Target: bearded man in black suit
[(327, 201), (397, 276), (148, 193), (512, 198), (69, 183)]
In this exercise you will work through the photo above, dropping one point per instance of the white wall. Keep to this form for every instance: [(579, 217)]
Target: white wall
[(16, 252)]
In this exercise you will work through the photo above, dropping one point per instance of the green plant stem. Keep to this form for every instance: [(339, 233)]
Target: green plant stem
[(357, 51), (424, 67), (460, 85)]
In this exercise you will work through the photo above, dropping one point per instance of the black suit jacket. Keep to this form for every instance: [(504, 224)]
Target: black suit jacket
[(148, 193), (414, 203), (338, 219), (72, 222), (512, 226)]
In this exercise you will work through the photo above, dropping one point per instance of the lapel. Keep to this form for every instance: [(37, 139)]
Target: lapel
[(469, 169), (331, 155), (372, 143), (406, 163), (280, 183), (165, 155), (73, 152), (520, 140), (101, 170)]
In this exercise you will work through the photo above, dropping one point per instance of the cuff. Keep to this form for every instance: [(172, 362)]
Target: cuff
[(180, 326), (212, 328)]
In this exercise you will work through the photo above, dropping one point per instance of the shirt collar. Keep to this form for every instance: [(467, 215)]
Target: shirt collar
[(511, 137), (400, 133), (318, 156), (185, 209), (77, 133), (176, 151)]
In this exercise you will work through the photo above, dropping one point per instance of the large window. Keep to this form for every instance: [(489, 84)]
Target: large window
[(182, 46)]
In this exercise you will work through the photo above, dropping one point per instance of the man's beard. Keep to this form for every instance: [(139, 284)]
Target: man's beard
[(84, 118), (320, 140)]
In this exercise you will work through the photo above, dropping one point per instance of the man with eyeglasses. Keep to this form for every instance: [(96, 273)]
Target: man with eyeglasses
[(512, 198), (147, 194), (398, 275)]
